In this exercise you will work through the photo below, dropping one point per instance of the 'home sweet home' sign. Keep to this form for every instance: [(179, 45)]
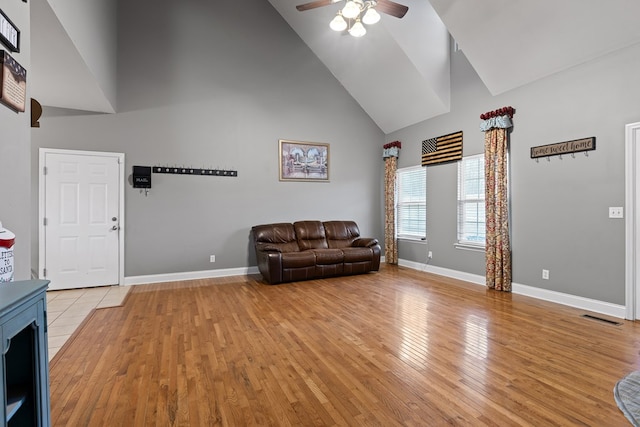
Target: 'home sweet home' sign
[(575, 146)]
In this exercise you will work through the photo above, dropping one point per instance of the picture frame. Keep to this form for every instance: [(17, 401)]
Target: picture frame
[(13, 83), (9, 33), (303, 161)]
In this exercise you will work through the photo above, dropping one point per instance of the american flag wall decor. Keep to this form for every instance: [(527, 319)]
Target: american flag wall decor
[(447, 148)]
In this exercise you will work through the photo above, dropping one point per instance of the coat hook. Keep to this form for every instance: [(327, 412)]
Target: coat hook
[(548, 159), (586, 154), (560, 155), (537, 160), (573, 155)]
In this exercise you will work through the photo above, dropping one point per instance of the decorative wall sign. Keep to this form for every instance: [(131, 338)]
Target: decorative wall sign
[(568, 147), (447, 148), (194, 171), (303, 161), (9, 33), (13, 83)]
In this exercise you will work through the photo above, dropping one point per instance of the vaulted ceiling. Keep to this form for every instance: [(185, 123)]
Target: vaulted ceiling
[(73, 60), (399, 71)]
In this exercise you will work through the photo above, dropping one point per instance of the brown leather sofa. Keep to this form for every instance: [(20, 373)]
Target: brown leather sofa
[(313, 249)]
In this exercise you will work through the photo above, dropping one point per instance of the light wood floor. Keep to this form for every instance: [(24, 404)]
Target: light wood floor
[(398, 347)]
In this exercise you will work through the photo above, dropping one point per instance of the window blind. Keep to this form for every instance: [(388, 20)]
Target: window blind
[(411, 202), (471, 212)]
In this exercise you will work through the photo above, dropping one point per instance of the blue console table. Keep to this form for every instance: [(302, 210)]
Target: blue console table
[(24, 385)]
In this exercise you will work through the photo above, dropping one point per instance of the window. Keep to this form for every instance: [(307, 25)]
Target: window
[(471, 218), (411, 202)]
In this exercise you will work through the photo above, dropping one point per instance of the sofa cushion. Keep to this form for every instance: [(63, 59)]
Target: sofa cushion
[(341, 234), (357, 254), (275, 237), (328, 256), (298, 259), (310, 235)]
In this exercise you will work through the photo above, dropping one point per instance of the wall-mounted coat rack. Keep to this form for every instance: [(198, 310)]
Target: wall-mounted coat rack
[(194, 171), (569, 147)]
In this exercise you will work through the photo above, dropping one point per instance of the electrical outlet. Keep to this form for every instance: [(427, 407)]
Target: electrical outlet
[(616, 212), (212, 258), (430, 255), (545, 274)]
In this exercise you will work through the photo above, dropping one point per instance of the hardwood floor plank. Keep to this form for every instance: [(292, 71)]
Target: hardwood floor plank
[(395, 348)]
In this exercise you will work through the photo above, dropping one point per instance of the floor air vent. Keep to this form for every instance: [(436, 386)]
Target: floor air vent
[(600, 319)]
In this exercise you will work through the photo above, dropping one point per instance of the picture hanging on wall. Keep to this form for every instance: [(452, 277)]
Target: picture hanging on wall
[(9, 33), (13, 83), (443, 149), (303, 161)]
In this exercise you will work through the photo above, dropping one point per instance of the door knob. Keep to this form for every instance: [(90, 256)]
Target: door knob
[(114, 219), (115, 228)]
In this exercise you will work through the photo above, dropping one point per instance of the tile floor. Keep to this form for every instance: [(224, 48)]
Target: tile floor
[(67, 309)]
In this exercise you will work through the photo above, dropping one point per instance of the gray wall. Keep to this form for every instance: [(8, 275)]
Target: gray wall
[(559, 207), (215, 85), (15, 149)]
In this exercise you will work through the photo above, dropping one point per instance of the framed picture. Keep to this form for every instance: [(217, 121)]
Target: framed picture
[(13, 83), (303, 161), (9, 33)]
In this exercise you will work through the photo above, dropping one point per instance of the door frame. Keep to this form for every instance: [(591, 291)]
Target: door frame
[(41, 204), (632, 161)]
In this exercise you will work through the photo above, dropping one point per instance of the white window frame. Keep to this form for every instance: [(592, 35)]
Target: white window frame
[(411, 201), (462, 242)]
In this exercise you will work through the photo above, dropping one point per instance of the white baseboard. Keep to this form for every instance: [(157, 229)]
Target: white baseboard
[(189, 275), (602, 307)]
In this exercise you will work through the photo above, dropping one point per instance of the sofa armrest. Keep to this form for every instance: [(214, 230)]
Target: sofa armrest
[(265, 247), (270, 266), (365, 242)]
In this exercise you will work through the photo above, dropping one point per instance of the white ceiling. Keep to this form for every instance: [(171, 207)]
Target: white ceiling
[(399, 71), (513, 42)]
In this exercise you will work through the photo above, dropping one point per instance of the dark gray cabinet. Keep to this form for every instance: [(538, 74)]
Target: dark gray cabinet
[(24, 385)]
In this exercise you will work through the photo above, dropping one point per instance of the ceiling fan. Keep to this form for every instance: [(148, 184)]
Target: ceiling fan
[(385, 6), (357, 12)]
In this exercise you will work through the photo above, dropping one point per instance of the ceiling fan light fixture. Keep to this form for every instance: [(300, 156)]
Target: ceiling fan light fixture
[(338, 23), (352, 9), (357, 30), (371, 16)]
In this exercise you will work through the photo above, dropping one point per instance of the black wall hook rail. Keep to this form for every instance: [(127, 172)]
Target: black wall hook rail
[(194, 171)]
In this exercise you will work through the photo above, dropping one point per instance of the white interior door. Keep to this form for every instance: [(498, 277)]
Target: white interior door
[(81, 223)]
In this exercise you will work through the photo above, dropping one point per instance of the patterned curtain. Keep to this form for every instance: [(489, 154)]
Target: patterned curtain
[(390, 155), (498, 244)]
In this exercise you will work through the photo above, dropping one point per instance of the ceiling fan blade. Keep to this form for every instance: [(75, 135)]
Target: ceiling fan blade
[(313, 5), (392, 8)]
